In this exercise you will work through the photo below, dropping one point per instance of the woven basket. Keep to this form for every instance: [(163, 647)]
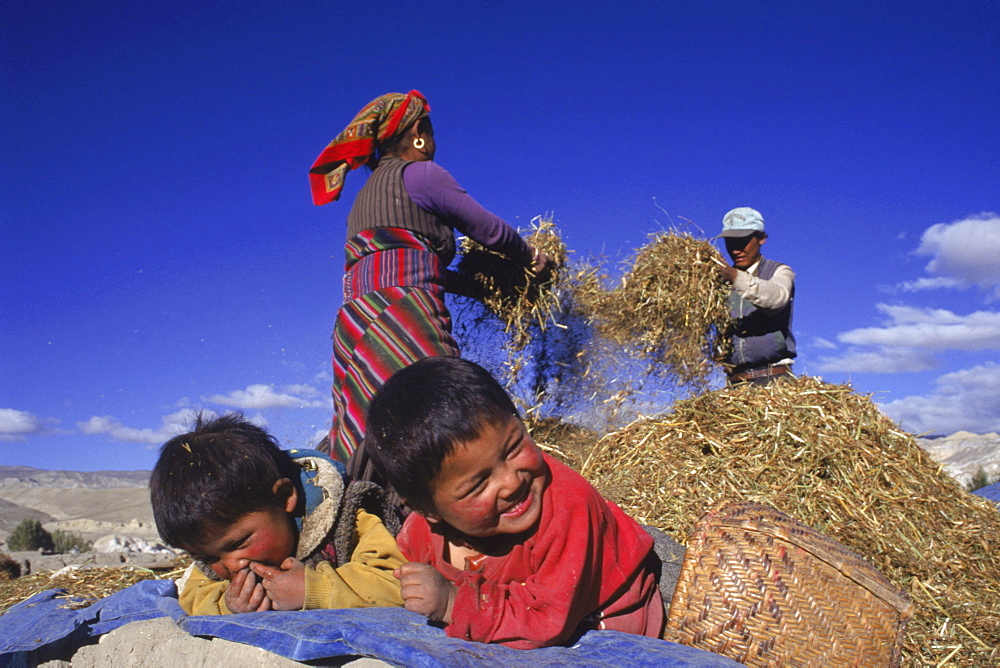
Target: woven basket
[(764, 589)]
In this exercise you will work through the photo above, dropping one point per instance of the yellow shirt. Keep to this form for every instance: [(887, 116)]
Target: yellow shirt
[(365, 581)]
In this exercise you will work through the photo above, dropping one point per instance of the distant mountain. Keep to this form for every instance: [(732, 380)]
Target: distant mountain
[(12, 514), (21, 477), (963, 453), (90, 503)]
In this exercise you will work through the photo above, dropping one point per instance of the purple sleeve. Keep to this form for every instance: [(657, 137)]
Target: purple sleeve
[(434, 190)]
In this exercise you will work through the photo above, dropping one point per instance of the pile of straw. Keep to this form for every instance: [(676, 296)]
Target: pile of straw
[(512, 292), (828, 457), (669, 308)]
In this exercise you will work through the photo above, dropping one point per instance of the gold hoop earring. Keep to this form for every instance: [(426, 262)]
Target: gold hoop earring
[(418, 143)]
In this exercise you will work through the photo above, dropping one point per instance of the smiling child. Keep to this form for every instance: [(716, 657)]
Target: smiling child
[(508, 545), (269, 529)]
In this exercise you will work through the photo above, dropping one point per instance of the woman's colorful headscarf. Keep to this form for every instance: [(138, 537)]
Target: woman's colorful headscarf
[(381, 119)]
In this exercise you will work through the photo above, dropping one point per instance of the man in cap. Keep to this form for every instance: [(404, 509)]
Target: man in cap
[(760, 302)]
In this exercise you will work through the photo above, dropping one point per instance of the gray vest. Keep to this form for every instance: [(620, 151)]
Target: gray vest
[(760, 337), (384, 202)]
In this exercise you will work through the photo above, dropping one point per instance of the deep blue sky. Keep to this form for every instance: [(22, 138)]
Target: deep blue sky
[(161, 251)]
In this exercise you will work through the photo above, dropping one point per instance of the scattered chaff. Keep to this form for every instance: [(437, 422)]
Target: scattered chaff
[(582, 340), (669, 307), (84, 585), (828, 457), (513, 292), (568, 442), (527, 306)]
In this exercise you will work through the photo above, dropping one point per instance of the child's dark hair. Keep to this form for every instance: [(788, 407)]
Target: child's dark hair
[(421, 413), (222, 469)]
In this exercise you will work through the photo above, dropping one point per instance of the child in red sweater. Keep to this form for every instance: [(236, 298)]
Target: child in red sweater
[(507, 544)]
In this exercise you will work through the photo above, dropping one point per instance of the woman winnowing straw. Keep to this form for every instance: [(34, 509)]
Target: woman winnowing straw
[(400, 240)]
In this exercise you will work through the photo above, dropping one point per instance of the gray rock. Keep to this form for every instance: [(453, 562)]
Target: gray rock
[(160, 642), (118, 543)]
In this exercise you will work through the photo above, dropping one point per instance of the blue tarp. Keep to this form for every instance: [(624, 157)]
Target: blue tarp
[(991, 492), (43, 627)]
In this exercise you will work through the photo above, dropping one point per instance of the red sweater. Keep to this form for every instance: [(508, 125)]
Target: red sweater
[(589, 565)]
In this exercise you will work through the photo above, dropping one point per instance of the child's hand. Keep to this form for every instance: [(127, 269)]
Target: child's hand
[(285, 586), (426, 591), (246, 594)]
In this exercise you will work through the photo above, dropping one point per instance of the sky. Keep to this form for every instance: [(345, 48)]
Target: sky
[(161, 253)]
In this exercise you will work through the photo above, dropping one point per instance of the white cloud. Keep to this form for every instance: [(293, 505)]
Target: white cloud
[(15, 425), (820, 342), (885, 360), (966, 400), (173, 424), (262, 397), (108, 425), (253, 398), (930, 329), (963, 253), (930, 284), (303, 390)]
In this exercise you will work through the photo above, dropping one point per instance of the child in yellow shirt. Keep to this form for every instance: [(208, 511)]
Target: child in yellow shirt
[(270, 529)]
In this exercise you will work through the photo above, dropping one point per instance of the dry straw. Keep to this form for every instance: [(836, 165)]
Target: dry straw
[(83, 586), (512, 292), (664, 321), (524, 302), (670, 307), (829, 458)]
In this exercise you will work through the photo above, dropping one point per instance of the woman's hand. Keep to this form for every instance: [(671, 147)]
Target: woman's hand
[(541, 264), (426, 591), (285, 586), (246, 594)]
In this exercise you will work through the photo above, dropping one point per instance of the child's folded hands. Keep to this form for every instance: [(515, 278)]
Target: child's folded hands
[(285, 586), (246, 594)]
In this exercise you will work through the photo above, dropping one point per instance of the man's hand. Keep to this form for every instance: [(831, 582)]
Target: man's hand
[(246, 594), (285, 586), (726, 273), (426, 591)]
